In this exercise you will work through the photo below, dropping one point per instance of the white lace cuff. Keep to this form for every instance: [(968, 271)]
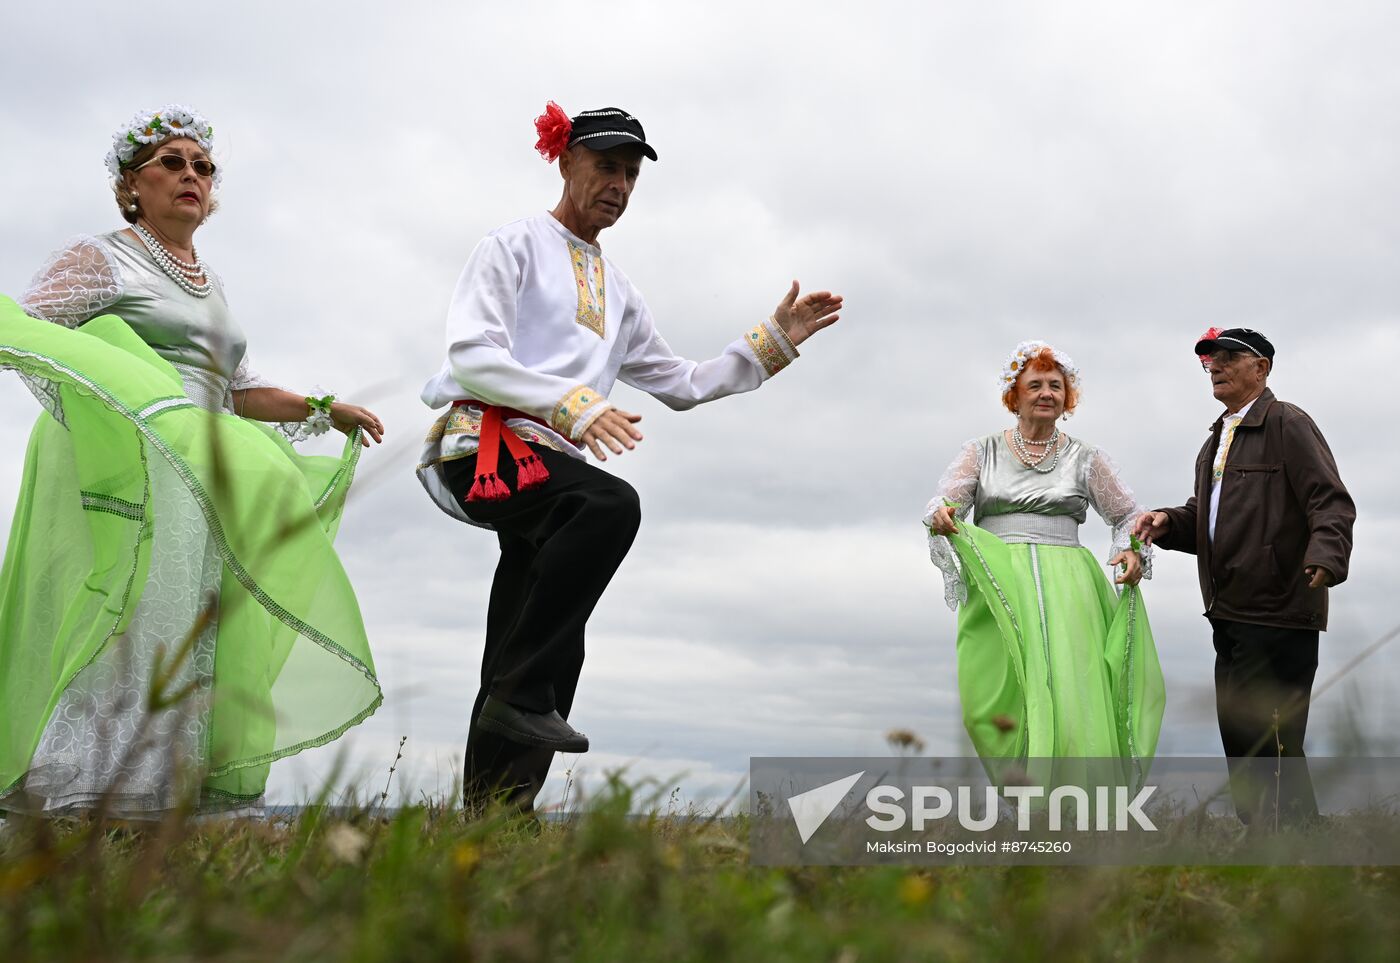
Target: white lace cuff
[(317, 422), (1123, 542), (940, 551)]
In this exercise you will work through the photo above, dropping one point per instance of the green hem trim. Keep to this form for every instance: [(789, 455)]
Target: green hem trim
[(1129, 646), (313, 743), (345, 467), (233, 797), (97, 502)]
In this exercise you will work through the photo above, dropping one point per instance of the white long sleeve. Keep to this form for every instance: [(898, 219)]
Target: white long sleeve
[(679, 383), (958, 486), (1115, 503), (76, 284)]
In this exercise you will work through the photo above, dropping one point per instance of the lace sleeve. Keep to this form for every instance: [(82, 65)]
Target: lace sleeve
[(958, 485), (245, 377), (959, 482), (1115, 503), (76, 284)]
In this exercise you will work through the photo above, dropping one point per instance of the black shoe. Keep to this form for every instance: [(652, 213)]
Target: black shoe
[(547, 730)]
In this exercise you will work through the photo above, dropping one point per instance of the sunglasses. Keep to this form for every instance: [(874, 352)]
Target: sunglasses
[(1224, 361), (176, 163)]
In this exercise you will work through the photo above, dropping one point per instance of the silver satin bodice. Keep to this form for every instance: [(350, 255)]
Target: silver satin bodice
[(1020, 505), (1006, 486), (198, 335)]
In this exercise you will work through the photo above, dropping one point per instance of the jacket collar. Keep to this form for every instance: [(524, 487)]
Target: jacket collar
[(1254, 417)]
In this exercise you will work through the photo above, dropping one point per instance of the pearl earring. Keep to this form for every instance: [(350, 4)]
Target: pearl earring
[(132, 206)]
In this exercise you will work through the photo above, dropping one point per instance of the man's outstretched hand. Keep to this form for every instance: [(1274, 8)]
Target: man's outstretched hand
[(614, 429), (1151, 526), (800, 318)]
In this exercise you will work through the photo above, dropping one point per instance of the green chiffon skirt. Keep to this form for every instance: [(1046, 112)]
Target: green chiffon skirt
[(288, 665), (1052, 663)]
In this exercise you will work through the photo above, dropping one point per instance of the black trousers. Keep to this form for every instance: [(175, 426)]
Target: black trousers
[(1263, 686), (560, 545)]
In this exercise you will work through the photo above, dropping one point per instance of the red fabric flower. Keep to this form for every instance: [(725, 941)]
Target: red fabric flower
[(554, 128), (1211, 333)]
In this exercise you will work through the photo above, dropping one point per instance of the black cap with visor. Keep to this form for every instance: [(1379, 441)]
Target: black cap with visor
[(606, 128), (1245, 340)]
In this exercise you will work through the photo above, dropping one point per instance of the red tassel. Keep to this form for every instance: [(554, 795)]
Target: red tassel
[(532, 473), (488, 488)]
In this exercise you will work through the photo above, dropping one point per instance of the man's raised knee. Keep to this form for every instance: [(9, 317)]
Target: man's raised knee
[(622, 503)]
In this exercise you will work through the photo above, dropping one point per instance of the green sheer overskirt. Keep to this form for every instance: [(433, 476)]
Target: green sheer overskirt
[(1052, 663), (292, 666)]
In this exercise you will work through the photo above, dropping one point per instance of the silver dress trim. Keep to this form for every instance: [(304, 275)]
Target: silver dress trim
[(207, 389), (1023, 527)]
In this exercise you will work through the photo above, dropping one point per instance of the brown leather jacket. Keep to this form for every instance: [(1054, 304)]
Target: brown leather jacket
[(1283, 507)]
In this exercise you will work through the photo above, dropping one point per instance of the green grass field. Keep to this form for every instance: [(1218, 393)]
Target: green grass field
[(426, 884)]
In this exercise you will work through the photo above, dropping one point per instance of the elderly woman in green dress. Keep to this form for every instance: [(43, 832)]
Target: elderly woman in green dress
[(173, 617), (1051, 662)]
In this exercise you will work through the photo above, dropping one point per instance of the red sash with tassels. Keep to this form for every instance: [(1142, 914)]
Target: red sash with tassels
[(530, 471)]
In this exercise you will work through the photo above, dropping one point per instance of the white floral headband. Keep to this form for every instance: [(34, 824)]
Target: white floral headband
[(154, 126), (1029, 349)]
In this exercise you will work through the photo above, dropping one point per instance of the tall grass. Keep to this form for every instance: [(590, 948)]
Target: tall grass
[(426, 883)]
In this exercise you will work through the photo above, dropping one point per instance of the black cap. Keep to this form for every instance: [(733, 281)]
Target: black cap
[(1237, 339), (608, 127)]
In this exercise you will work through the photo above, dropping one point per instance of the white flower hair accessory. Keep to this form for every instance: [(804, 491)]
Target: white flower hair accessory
[(1029, 349), (154, 126)]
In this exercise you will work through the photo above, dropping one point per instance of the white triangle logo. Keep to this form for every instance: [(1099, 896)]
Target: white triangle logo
[(810, 809)]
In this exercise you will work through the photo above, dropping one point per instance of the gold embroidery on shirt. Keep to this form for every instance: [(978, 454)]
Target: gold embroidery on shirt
[(572, 407), (592, 299), (437, 429), (792, 353), (464, 421), (766, 350)]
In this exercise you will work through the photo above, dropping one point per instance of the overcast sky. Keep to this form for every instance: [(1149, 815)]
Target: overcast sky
[(1111, 177)]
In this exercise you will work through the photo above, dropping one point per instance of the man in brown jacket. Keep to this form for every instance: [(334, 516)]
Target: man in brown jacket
[(1270, 526)]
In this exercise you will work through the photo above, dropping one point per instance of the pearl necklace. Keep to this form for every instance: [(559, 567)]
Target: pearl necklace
[(181, 272), (1052, 445), (190, 270)]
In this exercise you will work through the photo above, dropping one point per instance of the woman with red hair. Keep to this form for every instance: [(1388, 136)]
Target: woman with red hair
[(1051, 662)]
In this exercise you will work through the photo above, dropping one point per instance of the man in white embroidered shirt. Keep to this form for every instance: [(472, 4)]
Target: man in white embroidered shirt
[(541, 325)]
